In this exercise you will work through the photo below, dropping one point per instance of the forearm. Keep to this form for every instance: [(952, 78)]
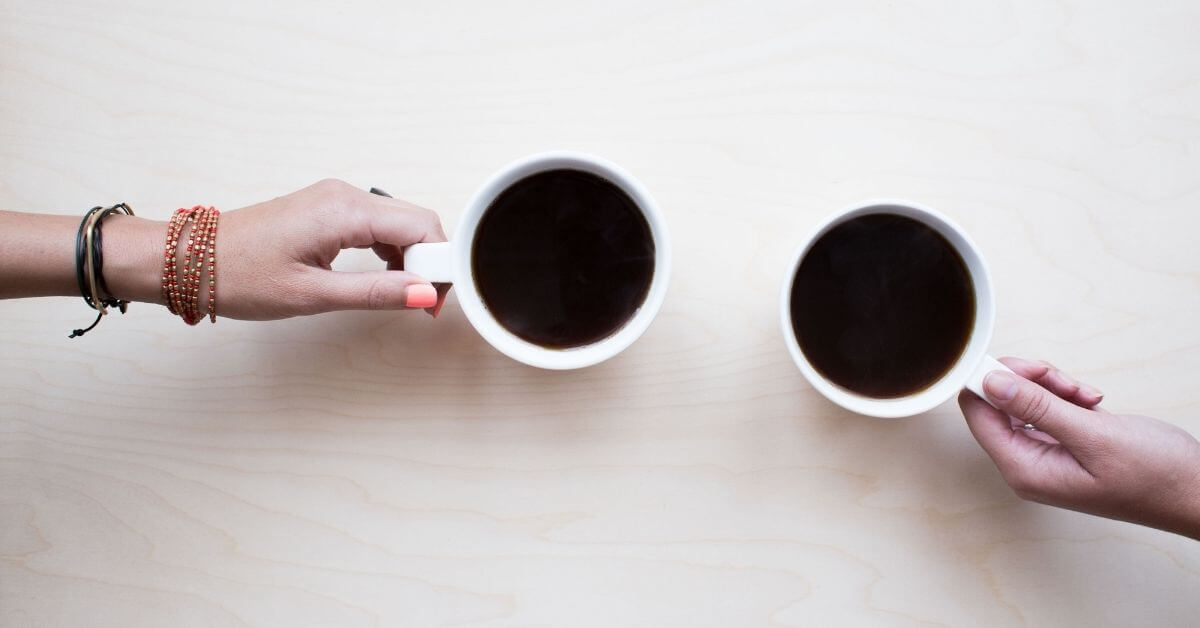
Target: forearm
[(1184, 517), (1168, 494), (133, 258), (37, 256)]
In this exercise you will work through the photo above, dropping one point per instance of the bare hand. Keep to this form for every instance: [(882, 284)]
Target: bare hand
[(273, 258), (1126, 467)]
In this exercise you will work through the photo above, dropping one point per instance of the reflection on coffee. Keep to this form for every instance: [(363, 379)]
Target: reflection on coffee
[(563, 258), (882, 305)]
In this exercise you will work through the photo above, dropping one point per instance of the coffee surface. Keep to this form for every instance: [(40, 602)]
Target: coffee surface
[(563, 258), (882, 305)]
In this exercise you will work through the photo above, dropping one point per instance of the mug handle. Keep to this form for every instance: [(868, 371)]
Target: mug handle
[(430, 260), (975, 382)]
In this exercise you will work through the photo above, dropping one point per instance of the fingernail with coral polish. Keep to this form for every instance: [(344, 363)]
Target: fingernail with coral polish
[(1000, 386), (420, 295)]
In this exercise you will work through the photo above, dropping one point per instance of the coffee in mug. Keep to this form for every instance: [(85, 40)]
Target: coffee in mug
[(560, 260), (563, 258), (882, 305), (887, 309)]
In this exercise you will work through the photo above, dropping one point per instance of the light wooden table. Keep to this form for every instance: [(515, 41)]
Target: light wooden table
[(364, 469)]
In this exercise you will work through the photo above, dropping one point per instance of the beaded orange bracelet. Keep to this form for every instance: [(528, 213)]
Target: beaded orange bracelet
[(189, 280), (204, 249), (181, 284), (170, 284), (212, 267)]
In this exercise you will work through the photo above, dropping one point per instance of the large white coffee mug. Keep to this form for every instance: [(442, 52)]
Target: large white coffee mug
[(450, 262), (973, 364)]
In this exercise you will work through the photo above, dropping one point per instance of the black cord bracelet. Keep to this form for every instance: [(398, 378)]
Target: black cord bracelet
[(98, 259), (89, 264), (79, 261)]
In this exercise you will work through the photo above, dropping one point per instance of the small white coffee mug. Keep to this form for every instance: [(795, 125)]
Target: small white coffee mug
[(974, 363), (450, 262)]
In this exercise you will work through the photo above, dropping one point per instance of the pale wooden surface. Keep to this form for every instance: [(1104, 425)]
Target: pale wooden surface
[(365, 469)]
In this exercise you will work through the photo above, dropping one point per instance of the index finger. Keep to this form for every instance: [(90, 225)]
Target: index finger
[(392, 251), (390, 221), (1054, 380)]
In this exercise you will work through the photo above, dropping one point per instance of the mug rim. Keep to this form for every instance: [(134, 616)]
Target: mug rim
[(516, 347), (973, 353)]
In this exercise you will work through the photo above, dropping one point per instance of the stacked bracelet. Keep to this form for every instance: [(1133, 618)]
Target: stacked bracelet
[(181, 286), (89, 264)]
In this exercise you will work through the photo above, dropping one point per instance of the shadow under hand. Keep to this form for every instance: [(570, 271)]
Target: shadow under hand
[(407, 365)]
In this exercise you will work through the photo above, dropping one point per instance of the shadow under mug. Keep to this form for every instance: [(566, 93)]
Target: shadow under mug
[(450, 262), (972, 365)]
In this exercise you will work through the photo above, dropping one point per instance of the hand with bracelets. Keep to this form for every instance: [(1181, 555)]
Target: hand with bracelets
[(267, 261)]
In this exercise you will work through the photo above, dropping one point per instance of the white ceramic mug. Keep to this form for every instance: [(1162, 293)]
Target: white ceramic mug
[(450, 262), (973, 364)]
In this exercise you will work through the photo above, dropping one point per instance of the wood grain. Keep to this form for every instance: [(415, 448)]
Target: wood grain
[(380, 469)]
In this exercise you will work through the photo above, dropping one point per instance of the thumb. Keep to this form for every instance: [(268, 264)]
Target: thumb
[(372, 290), (1029, 402)]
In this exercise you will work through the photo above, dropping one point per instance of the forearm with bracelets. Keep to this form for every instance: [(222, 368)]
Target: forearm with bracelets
[(110, 272), (267, 261)]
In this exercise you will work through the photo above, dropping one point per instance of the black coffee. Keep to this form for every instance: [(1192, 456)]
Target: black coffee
[(563, 258), (882, 305)]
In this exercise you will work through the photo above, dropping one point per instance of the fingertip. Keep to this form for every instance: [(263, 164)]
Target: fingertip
[(1066, 387), (436, 308), (1090, 394), (1029, 369), (1000, 386), (1061, 384), (420, 295), (399, 223)]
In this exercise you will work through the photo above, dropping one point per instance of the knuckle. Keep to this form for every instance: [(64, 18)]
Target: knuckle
[(429, 217), (377, 295), (331, 193), (1185, 443), (1035, 407), (331, 185), (429, 221)]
